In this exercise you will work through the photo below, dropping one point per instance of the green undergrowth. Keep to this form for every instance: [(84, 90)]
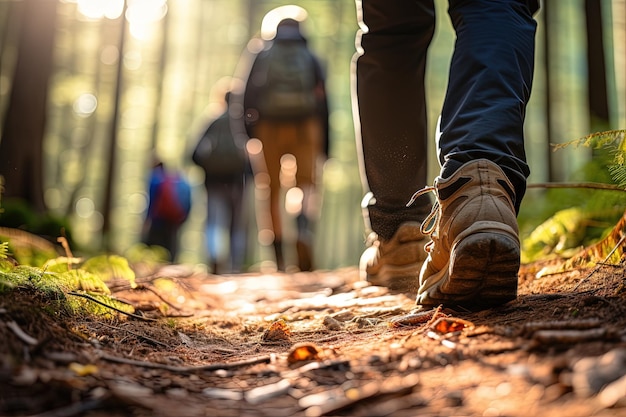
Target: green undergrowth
[(17, 216), (30, 263), (560, 221), (69, 284), (150, 256)]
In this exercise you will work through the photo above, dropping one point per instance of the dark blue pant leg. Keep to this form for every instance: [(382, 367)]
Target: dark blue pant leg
[(490, 82), (392, 107)]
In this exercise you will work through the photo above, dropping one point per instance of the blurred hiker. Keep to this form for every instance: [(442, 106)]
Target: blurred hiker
[(226, 167), (473, 256), (285, 108), (169, 206)]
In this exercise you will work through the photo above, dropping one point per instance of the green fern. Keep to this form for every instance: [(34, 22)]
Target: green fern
[(80, 304), (575, 217), (613, 141), (54, 287), (618, 173), (78, 279), (4, 250), (4, 264), (111, 268)]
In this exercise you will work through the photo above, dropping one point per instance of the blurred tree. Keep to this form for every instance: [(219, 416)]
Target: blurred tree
[(596, 64), (113, 142), (21, 159)]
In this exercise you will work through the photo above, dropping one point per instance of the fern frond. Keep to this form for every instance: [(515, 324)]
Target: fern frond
[(111, 268), (4, 250), (612, 140), (618, 173)]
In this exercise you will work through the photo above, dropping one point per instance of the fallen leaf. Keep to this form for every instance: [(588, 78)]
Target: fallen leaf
[(303, 352), (277, 331), (83, 370)]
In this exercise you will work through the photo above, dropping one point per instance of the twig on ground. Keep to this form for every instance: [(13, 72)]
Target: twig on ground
[(415, 319), (66, 246), (90, 298), (569, 337), (583, 324), (21, 334), (153, 291), (332, 402), (263, 393), (604, 262), (187, 369), (146, 338)]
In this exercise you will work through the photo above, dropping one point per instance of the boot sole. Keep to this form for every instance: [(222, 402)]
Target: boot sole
[(397, 278), (482, 272)]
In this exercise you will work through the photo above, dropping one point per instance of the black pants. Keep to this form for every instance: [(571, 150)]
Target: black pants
[(483, 113)]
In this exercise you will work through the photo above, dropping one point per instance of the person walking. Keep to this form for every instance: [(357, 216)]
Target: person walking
[(226, 167), (286, 109), (169, 204), (462, 249)]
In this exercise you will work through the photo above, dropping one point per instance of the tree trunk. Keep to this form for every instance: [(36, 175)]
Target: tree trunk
[(107, 211), (596, 64), (21, 147), (546, 12)]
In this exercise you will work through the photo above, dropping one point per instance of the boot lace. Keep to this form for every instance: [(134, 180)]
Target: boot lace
[(429, 224)]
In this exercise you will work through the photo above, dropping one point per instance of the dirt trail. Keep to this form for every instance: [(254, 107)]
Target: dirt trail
[(321, 343)]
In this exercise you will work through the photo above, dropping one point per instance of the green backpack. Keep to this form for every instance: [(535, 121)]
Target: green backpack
[(218, 153), (289, 89)]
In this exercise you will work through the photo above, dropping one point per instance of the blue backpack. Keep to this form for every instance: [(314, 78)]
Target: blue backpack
[(172, 199)]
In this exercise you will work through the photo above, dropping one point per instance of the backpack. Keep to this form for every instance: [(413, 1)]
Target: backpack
[(289, 88), (172, 199), (218, 153)]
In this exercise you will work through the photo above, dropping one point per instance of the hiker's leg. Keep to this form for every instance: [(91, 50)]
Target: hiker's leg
[(307, 151), (269, 133), (490, 81), (238, 225), (474, 254), (217, 219), (391, 122)]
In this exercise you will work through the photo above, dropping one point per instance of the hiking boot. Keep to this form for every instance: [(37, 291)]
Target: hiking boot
[(474, 253), (395, 263)]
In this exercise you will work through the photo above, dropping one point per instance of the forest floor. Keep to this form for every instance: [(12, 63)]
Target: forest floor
[(319, 344)]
